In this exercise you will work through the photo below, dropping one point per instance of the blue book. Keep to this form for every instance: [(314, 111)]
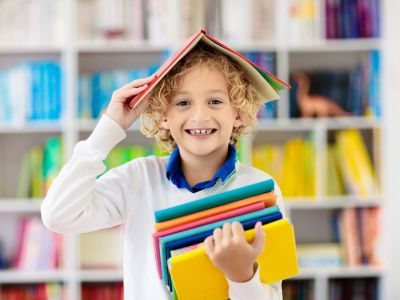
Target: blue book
[(214, 200)]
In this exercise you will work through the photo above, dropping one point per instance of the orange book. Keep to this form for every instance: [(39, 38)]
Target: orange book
[(269, 199)]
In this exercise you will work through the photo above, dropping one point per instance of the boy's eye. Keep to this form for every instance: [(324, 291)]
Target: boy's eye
[(182, 103), (215, 101)]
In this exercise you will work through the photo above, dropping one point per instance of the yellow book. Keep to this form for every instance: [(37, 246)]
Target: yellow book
[(195, 277)]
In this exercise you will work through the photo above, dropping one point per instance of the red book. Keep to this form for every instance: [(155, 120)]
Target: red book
[(265, 83)]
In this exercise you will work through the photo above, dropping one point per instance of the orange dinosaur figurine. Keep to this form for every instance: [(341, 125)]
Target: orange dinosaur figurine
[(314, 105)]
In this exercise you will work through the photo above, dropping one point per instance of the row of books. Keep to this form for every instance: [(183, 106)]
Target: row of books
[(36, 247), (297, 290), (338, 289), (39, 167), (43, 291), (32, 22), (356, 91), (103, 291), (349, 165), (165, 20), (355, 241), (41, 164), (180, 232), (350, 169), (349, 289), (95, 90), (358, 230), (31, 91), (352, 19), (291, 164)]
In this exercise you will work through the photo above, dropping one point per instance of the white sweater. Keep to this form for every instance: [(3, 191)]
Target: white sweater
[(77, 202)]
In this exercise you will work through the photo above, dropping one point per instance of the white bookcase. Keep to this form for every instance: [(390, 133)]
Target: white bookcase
[(77, 56)]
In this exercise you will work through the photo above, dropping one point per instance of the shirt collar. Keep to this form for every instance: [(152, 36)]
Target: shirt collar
[(175, 175)]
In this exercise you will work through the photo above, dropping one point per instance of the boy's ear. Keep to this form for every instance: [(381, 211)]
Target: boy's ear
[(164, 124), (238, 121)]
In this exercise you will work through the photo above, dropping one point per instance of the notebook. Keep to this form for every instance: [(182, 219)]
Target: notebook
[(195, 277), (265, 83)]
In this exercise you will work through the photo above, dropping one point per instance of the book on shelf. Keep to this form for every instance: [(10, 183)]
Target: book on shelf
[(37, 248), (355, 164), (39, 98), (39, 167), (352, 19), (291, 164), (101, 249), (104, 291), (33, 23), (354, 288), (358, 232), (179, 249), (163, 21), (304, 21), (51, 291), (297, 290)]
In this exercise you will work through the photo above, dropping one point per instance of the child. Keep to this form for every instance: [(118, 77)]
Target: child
[(197, 112)]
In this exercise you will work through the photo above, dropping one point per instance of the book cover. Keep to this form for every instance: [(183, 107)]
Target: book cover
[(278, 261)]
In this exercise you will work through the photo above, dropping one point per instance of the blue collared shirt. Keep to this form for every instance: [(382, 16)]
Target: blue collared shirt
[(175, 174)]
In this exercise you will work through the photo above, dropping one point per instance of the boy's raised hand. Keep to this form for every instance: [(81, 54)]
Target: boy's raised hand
[(118, 109), (229, 251)]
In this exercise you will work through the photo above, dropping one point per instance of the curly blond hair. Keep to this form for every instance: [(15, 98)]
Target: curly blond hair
[(244, 97)]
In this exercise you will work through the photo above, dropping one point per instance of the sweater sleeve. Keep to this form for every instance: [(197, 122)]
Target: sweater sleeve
[(254, 289), (76, 201)]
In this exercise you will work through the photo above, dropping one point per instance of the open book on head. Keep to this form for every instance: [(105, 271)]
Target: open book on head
[(265, 83)]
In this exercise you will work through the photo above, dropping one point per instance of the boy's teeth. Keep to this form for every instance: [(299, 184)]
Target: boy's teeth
[(200, 131)]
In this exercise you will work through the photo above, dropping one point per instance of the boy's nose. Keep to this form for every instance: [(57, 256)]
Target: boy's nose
[(200, 114)]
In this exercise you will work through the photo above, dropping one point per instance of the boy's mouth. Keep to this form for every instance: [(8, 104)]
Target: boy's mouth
[(201, 132)]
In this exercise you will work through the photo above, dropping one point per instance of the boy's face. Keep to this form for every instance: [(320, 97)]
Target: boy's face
[(200, 116)]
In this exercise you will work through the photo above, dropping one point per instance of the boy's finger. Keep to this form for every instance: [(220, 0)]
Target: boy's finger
[(127, 93), (227, 231), (259, 240), (217, 235), (237, 230), (209, 245), (139, 82)]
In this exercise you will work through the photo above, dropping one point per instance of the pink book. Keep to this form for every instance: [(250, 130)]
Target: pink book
[(218, 217)]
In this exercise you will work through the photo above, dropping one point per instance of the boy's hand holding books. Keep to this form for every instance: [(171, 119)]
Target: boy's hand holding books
[(118, 109), (229, 251)]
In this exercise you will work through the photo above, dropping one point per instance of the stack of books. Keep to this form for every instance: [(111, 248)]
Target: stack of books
[(182, 262)]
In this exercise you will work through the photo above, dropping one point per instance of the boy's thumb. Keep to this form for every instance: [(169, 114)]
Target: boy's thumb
[(259, 240)]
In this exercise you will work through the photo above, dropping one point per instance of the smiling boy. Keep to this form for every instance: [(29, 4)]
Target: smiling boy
[(197, 112)]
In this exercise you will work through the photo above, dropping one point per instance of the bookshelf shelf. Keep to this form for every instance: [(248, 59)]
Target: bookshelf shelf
[(100, 275), (344, 45), (18, 205), (336, 202), (10, 49), (38, 127), (341, 272), (119, 46), (16, 276), (312, 124)]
